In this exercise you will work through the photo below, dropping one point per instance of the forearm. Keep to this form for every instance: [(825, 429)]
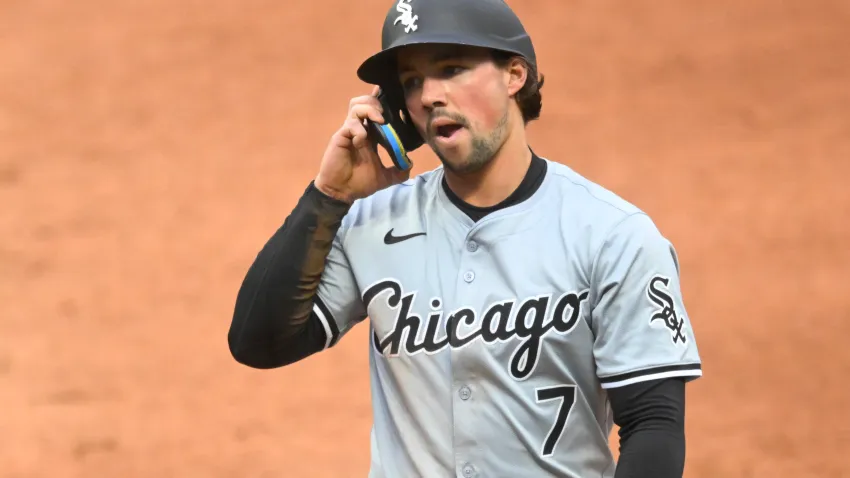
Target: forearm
[(652, 433), (271, 320), (652, 454)]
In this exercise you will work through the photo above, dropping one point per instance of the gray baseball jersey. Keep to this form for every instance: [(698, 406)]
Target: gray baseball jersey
[(493, 343)]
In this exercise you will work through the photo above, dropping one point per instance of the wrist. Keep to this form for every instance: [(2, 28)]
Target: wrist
[(332, 192)]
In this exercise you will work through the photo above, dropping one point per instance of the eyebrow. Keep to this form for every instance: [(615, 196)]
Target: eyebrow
[(440, 55), (446, 54)]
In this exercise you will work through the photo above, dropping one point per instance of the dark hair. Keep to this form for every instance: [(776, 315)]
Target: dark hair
[(528, 97)]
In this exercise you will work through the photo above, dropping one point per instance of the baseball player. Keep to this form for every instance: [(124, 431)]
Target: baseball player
[(516, 309)]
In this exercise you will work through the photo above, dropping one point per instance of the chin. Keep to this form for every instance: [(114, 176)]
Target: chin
[(464, 155), (463, 163)]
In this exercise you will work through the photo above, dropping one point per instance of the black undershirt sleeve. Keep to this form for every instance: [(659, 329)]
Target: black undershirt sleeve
[(651, 417), (273, 321)]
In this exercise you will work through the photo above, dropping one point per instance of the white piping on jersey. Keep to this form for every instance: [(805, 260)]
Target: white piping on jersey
[(653, 376), (324, 321)]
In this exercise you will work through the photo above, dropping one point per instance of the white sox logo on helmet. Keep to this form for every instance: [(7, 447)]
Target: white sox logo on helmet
[(407, 18)]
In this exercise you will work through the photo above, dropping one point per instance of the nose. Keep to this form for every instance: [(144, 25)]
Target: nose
[(433, 93)]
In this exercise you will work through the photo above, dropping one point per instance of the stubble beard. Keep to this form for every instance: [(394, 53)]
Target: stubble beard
[(483, 150)]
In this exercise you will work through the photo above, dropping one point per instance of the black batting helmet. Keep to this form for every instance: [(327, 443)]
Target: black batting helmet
[(481, 23)]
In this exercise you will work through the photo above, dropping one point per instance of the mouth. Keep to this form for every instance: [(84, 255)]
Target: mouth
[(444, 128), (447, 131)]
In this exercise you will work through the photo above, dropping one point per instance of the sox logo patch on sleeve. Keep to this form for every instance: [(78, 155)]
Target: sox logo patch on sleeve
[(492, 343), (666, 314)]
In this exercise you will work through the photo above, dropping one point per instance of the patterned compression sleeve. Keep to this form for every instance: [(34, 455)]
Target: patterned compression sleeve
[(276, 319)]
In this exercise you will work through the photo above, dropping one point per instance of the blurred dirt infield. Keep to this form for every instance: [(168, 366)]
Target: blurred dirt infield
[(149, 148)]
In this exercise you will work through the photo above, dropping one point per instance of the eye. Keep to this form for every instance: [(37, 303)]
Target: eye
[(410, 83), (452, 70)]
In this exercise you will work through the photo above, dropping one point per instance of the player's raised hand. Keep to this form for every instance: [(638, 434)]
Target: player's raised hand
[(351, 168)]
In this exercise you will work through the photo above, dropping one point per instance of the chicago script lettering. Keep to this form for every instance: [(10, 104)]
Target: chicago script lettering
[(531, 322)]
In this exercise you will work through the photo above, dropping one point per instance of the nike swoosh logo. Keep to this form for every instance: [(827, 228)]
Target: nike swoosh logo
[(390, 239)]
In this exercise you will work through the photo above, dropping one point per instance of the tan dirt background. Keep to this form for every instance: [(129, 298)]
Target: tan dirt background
[(149, 148)]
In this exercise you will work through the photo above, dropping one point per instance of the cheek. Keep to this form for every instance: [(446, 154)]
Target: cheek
[(482, 106)]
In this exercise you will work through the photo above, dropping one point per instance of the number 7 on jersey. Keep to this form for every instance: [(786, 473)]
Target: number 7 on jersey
[(567, 396)]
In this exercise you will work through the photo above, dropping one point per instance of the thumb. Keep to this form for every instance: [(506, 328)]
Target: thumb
[(397, 175)]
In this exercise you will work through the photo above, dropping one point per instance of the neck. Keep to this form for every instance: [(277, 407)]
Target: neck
[(496, 181)]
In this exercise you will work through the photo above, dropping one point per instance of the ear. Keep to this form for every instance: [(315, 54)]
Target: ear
[(516, 74)]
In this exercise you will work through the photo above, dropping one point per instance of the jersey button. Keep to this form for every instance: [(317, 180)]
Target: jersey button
[(471, 246), (469, 276), (468, 471), (465, 393)]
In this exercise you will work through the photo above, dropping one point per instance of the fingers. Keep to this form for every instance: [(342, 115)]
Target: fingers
[(365, 111), (395, 175), (365, 100), (354, 130)]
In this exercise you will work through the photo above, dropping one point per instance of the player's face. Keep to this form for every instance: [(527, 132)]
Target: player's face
[(460, 101)]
